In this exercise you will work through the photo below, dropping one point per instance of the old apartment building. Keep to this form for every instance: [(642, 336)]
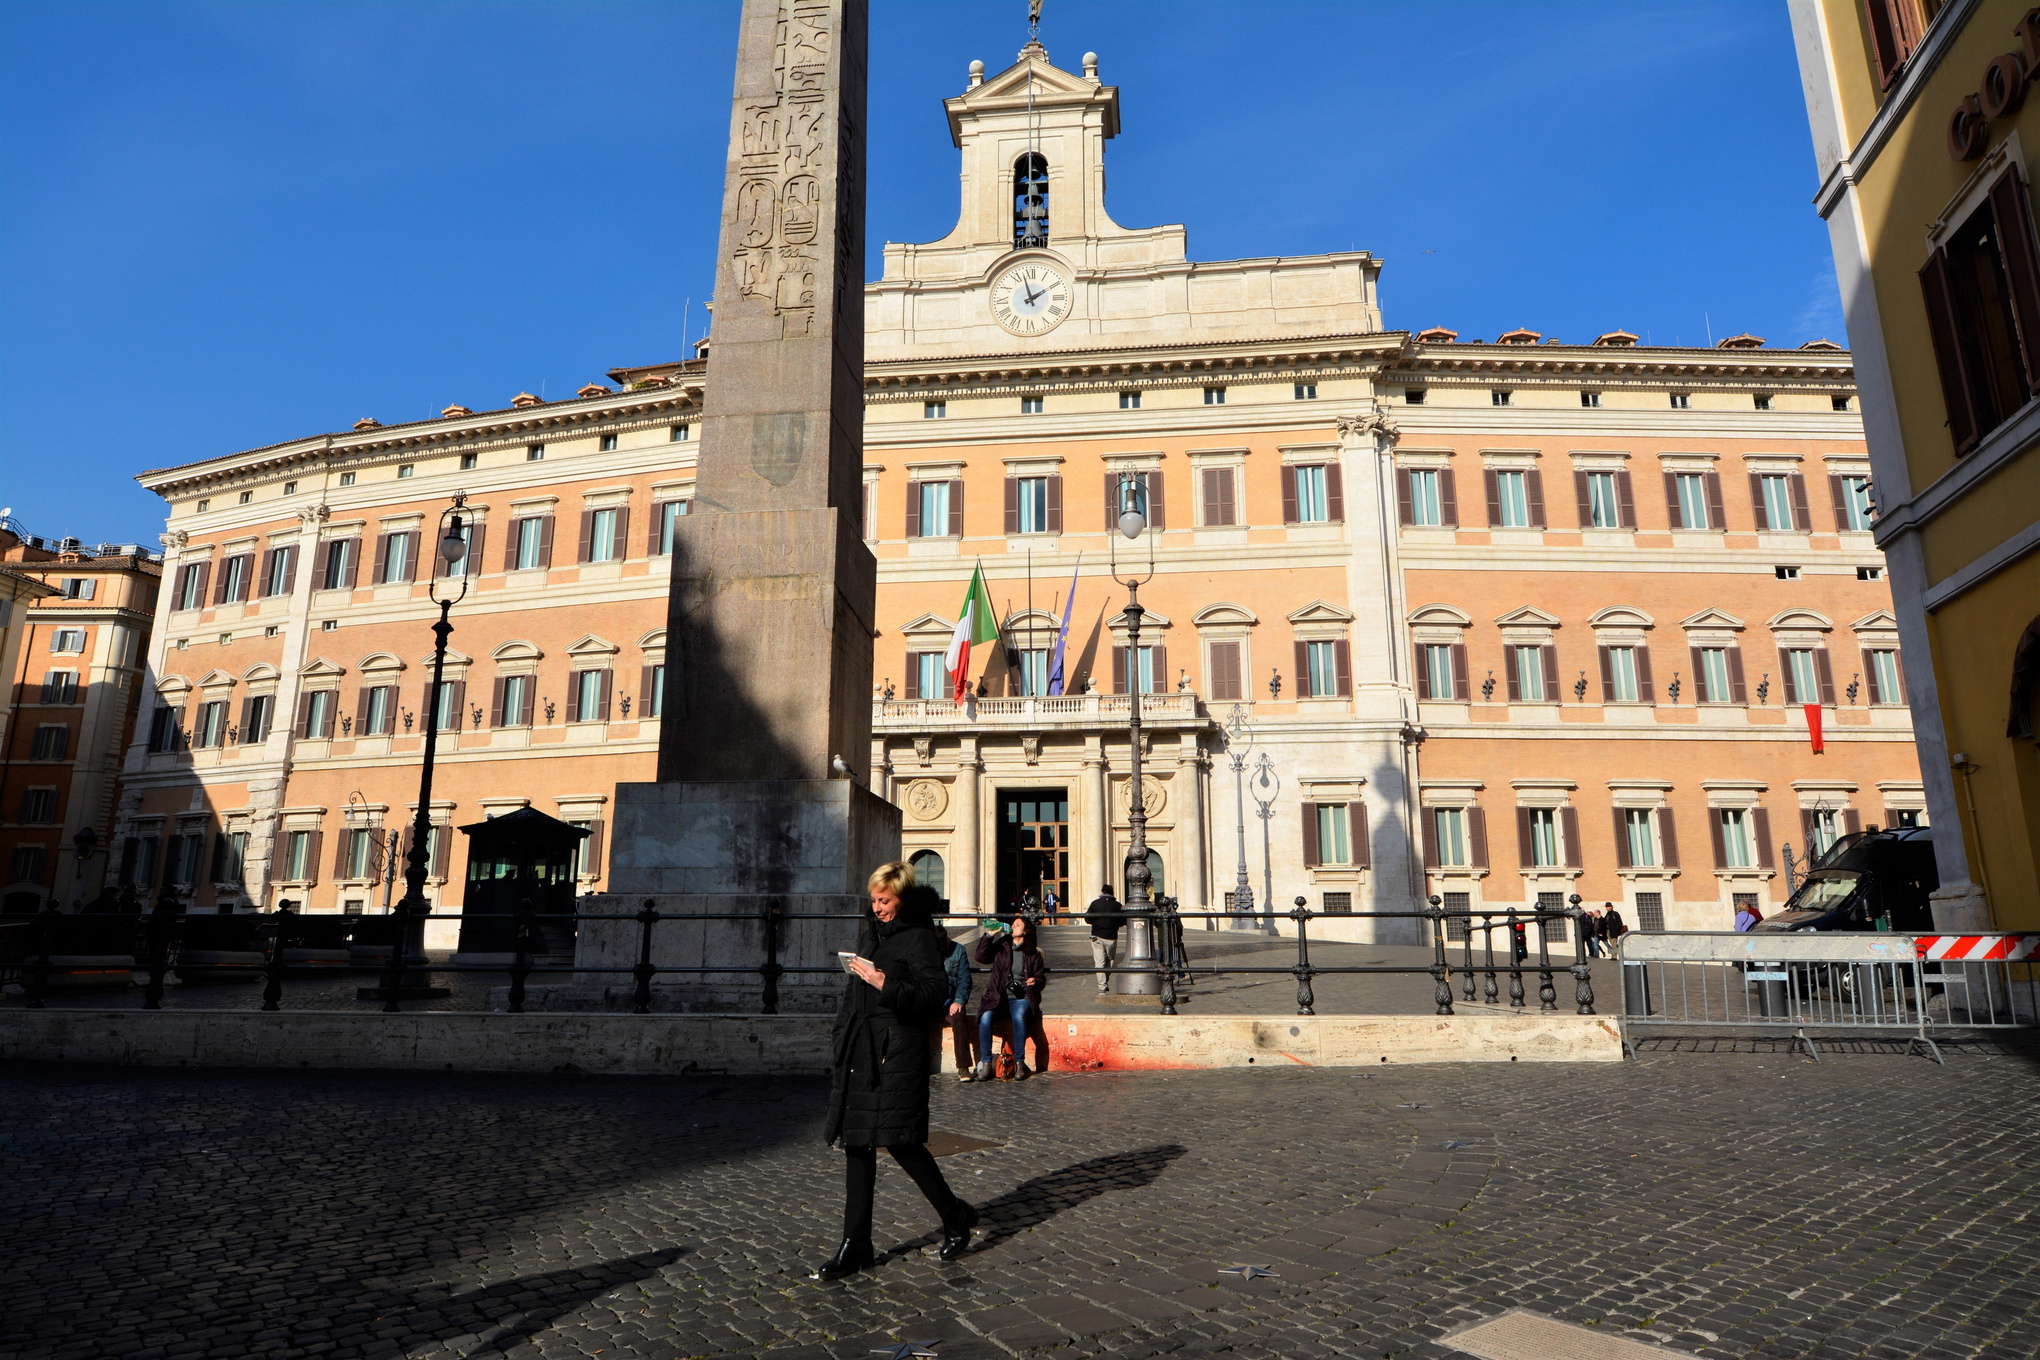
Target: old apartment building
[(1507, 618)]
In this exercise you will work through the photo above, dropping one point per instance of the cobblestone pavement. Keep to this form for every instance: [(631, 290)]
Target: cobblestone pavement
[(1723, 1203)]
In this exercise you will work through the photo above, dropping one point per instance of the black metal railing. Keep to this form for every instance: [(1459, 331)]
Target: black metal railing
[(29, 953)]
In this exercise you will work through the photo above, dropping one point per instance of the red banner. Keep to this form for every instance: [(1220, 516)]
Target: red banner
[(1813, 726)]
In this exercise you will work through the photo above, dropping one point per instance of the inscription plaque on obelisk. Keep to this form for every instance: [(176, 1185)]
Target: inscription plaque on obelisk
[(769, 624)]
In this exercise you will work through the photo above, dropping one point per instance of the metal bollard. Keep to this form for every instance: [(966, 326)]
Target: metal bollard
[(641, 1002), (1547, 995), (1441, 970), (1305, 999), (1515, 961), (1583, 976), (1635, 988)]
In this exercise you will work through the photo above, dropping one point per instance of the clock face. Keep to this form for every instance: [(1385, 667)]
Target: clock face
[(1031, 298)]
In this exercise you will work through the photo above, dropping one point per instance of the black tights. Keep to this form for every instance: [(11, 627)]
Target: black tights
[(860, 1180)]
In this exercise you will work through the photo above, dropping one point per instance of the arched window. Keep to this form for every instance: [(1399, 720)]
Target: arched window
[(1030, 201), (928, 872)]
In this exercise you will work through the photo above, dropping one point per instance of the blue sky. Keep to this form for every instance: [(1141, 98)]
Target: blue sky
[(232, 224)]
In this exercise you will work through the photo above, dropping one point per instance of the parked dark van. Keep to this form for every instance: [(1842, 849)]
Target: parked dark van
[(1868, 880)]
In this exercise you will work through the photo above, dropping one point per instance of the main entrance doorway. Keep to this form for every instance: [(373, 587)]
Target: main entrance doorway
[(1033, 846)]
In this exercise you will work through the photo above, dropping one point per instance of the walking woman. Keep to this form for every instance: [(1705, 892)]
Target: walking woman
[(1018, 972), (879, 1096)]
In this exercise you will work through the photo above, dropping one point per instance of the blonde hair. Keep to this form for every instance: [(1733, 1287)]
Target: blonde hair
[(896, 878)]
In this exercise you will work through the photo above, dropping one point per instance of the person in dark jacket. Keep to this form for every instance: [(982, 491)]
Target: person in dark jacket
[(878, 1097), (1105, 917), (1016, 974), (956, 965), (1590, 931), (1613, 927)]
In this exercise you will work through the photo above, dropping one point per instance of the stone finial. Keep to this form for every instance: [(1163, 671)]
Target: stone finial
[(1034, 51), (524, 400), (1090, 65), (593, 390), (452, 411), (977, 74), (368, 423)]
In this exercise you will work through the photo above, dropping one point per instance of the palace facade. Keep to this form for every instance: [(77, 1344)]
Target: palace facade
[(1495, 620)]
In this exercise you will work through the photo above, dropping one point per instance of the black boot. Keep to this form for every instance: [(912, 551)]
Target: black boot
[(850, 1258), (956, 1238)]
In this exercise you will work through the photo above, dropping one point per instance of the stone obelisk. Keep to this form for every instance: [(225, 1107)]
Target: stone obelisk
[(769, 624)]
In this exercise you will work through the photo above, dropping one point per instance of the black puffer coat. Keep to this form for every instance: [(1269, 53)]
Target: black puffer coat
[(879, 1096)]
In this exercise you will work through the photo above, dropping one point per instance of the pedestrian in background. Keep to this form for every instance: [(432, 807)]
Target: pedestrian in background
[(1746, 915), (1105, 917), (957, 965), (1590, 931), (1050, 903), (878, 1097), (1015, 975), (1613, 927)]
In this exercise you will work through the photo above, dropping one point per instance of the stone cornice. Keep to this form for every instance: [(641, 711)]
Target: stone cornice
[(1109, 364), (1628, 364)]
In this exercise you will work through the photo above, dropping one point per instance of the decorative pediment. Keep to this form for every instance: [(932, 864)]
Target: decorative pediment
[(381, 661), (517, 651), (653, 640), (1038, 619), (173, 684), (320, 668), (1801, 619), (1319, 611), (216, 679), (259, 672), (453, 658), (1012, 82), (1149, 618), (1529, 616), (1224, 615), (1621, 616), (1712, 618), (1443, 615), (930, 625), (1878, 618), (591, 645)]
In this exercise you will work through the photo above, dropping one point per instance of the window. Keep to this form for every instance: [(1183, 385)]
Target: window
[(1905, 817), (1650, 913), (1840, 403), (1214, 396), (1338, 903), (608, 443), (1693, 501), (1718, 672), (1031, 495), (1823, 829), (1333, 847), (340, 563), (247, 496), (1621, 677), (297, 857), (1030, 201), (1681, 401), (515, 706), (1852, 503), (928, 679), (397, 557), (1129, 401), (1590, 398), (1774, 503), (584, 849), (1306, 391), (669, 513), (360, 853), (378, 710), (256, 713), (933, 505), (325, 626), (1869, 573), (407, 469), (1541, 848), (590, 698), (202, 507), (319, 706), (78, 588), (347, 479), (1218, 499), (38, 806), (234, 574), (1149, 669), (446, 712), (280, 571), (1512, 500), (187, 850), (680, 434), (1312, 506), (1786, 573), (1808, 679), (60, 687), (138, 862), (1733, 825), (163, 733), (1032, 670), (27, 864), (51, 742), (1224, 676), (469, 460), (1425, 506), (1498, 398), (191, 586), (1886, 687), (1030, 406), (1604, 507), (67, 640), (1439, 677), (1528, 667), (1762, 400), (934, 410), (929, 871), (527, 543), (604, 543), (1639, 838), (1449, 827), (1413, 396), (1321, 662), (1982, 291)]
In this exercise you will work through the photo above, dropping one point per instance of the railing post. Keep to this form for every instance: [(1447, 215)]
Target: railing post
[(1547, 995), (1583, 977), (1305, 999), (520, 962), (1171, 933), (641, 1003), (771, 969), (1441, 971), (36, 981), (162, 922), (1515, 963), (272, 971), (1489, 992)]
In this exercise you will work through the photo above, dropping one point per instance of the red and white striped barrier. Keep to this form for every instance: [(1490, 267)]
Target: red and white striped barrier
[(1978, 948)]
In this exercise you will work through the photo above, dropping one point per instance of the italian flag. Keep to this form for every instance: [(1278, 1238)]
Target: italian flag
[(976, 624)]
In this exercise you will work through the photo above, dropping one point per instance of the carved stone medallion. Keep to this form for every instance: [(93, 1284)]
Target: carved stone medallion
[(927, 799), (1151, 796)]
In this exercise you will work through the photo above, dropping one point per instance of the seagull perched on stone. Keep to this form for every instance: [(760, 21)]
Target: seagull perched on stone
[(906, 1350), (838, 764)]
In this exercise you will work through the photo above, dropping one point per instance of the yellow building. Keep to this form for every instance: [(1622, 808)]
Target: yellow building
[(1918, 111)]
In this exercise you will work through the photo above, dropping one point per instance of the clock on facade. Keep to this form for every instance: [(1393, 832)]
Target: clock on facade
[(1031, 298)]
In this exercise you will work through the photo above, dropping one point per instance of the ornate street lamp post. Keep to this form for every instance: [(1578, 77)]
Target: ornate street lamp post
[(1239, 739), (1267, 785), (1140, 975), (413, 909)]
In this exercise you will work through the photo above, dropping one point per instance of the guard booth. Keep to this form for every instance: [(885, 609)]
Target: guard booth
[(523, 854)]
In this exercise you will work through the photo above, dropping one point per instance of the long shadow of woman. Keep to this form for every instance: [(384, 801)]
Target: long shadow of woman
[(1033, 1202)]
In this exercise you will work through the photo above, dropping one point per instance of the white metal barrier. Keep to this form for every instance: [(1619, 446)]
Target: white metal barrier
[(1837, 982)]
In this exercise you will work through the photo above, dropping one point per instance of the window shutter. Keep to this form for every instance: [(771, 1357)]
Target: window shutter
[(1460, 688), (459, 704), (1404, 511), (1423, 675), (226, 575), (1678, 520), (411, 559), (510, 541), (496, 702), (324, 564), (1448, 499), (1870, 676), (1119, 670), (1807, 831), (1303, 671), (1476, 838), (1762, 512), (622, 533), (268, 569), (913, 509), (352, 547), (1525, 839), (1646, 692), (587, 536), (1569, 831), (442, 844), (1310, 839), (591, 854), (910, 689), (1342, 663), (1012, 493), (1891, 35), (870, 512), (1055, 505), (1158, 515), (1667, 839), (1760, 820), (1852, 821), (1429, 819), (1699, 663), (1229, 492), (1225, 670), (545, 540), (1111, 502), (1738, 693), (1494, 497), (1533, 492), (1824, 671), (1625, 499), (1622, 840), (1512, 661), (1838, 496), (2014, 214), (1607, 676), (650, 701), (1717, 517), (1207, 484), (1720, 845), (340, 854), (248, 733), (1289, 495), (289, 571), (1161, 668), (361, 711), (1792, 694), (1801, 519), (1356, 833), (1335, 493), (1580, 489), (1549, 655), (1938, 294), (956, 507)]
